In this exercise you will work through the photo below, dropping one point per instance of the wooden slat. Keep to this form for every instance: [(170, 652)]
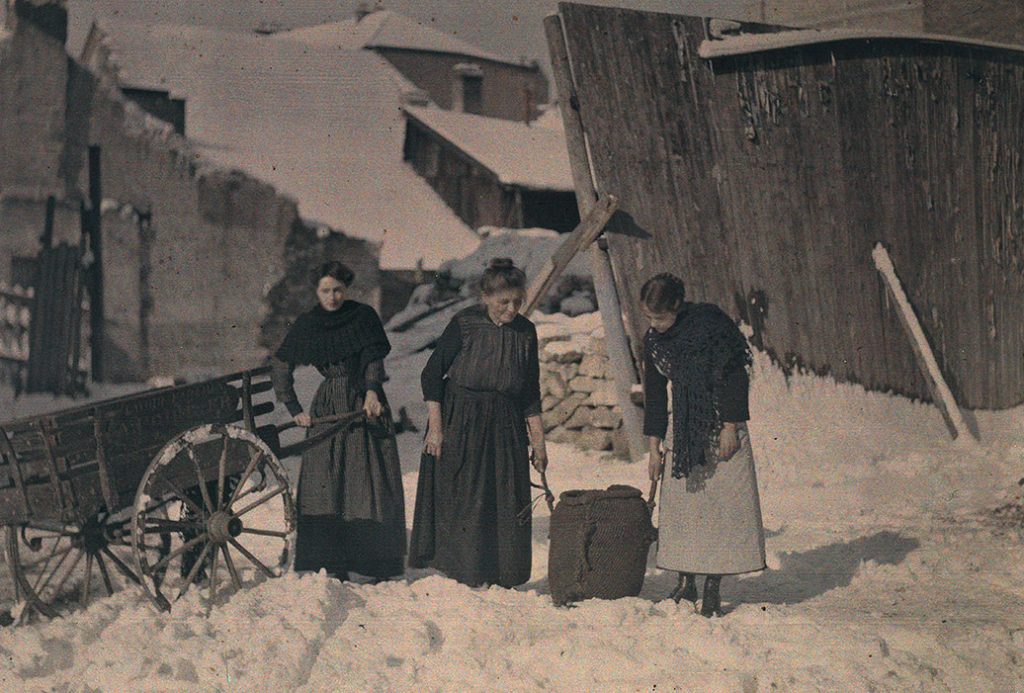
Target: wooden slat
[(941, 395), (101, 466), (23, 506)]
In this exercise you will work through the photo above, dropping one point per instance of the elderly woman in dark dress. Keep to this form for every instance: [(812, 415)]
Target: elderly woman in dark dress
[(482, 388), (710, 517), (350, 501)]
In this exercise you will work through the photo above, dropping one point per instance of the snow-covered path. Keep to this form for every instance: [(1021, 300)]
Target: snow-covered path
[(886, 572)]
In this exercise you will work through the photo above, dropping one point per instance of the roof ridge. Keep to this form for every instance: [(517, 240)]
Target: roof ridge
[(385, 15)]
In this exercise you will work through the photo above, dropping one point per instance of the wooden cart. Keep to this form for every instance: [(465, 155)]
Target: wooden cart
[(167, 489)]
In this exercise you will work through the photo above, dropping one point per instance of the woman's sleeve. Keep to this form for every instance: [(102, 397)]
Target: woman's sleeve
[(531, 389), (655, 399), (433, 375), (732, 393), (375, 376), (282, 375)]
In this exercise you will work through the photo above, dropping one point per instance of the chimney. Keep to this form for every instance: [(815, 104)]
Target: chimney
[(48, 16)]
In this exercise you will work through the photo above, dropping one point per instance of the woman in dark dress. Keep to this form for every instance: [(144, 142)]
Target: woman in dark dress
[(709, 520), (482, 388), (351, 510)]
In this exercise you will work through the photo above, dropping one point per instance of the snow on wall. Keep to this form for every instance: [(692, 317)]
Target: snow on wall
[(321, 125), (519, 154)]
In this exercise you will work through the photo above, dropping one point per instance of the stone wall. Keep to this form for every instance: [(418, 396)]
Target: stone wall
[(579, 402)]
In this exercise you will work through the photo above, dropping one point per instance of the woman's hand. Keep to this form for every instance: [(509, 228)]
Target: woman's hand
[(303, 419), (655, 459), (728, 441), (433, 441), (539, 459), (535, 432), (435, 430), (371, 404)]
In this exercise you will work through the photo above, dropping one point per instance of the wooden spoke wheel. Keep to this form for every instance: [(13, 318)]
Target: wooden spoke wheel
[(63, 566), (230, 511)]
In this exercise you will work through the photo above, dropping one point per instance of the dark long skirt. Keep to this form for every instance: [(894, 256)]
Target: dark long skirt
[(466, 523), (350, 502)]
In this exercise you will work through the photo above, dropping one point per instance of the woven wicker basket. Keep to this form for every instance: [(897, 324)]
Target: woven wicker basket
[(598, 544)]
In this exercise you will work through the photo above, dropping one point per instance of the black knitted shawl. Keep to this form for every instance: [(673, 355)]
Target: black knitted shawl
[(703, 345), (352, 335)]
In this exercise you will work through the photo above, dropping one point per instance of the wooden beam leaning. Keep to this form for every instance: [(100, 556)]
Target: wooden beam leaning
[(581, 237), (941, 393), (619, 355)]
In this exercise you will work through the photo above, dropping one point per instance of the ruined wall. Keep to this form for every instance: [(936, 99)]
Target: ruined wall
[(33, 83)]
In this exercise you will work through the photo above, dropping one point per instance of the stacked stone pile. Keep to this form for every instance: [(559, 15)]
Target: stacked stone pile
[(579, 402)]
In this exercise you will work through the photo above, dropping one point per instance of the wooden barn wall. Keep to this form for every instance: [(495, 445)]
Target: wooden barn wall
[(765, 181)]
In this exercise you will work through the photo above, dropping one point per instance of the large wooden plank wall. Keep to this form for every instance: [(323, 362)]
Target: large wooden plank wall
[(765, 180)]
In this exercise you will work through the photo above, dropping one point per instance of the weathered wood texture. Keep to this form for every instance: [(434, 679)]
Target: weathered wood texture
[(765, 180), (55, 326)]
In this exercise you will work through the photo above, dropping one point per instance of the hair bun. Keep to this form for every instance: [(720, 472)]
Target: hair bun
[(500, 263)]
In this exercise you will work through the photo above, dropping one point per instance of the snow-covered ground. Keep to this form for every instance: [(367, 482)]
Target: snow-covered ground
[(885, 573)]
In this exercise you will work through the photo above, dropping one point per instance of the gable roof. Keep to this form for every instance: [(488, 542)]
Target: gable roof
[(387, 29), (323, 126), (521, 155)]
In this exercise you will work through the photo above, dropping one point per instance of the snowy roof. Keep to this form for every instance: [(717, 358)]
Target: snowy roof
[(321, 125), (518, 154), (387, 29), (755, 43)]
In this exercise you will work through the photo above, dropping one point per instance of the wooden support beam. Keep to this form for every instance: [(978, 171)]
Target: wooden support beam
[(96, 309), (926, 361), (619, 356), (581, 237)]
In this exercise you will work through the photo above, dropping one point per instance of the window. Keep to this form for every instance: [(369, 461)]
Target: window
[(472, 94)]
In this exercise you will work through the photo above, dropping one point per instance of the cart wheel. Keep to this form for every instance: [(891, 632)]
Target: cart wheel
[(61, 566), (249, 523)]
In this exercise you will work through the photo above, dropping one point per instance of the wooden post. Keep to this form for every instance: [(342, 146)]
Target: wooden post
[(619, 355), (96, 270), (51, 208), (581, 237), (247, 415), (941, 393)]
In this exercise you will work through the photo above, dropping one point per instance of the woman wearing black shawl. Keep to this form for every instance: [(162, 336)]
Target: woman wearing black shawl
[(351, 505), (710, 512)]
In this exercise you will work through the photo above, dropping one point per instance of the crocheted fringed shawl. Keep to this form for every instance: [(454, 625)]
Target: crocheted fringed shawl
[(352, 335), (703, 345)]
